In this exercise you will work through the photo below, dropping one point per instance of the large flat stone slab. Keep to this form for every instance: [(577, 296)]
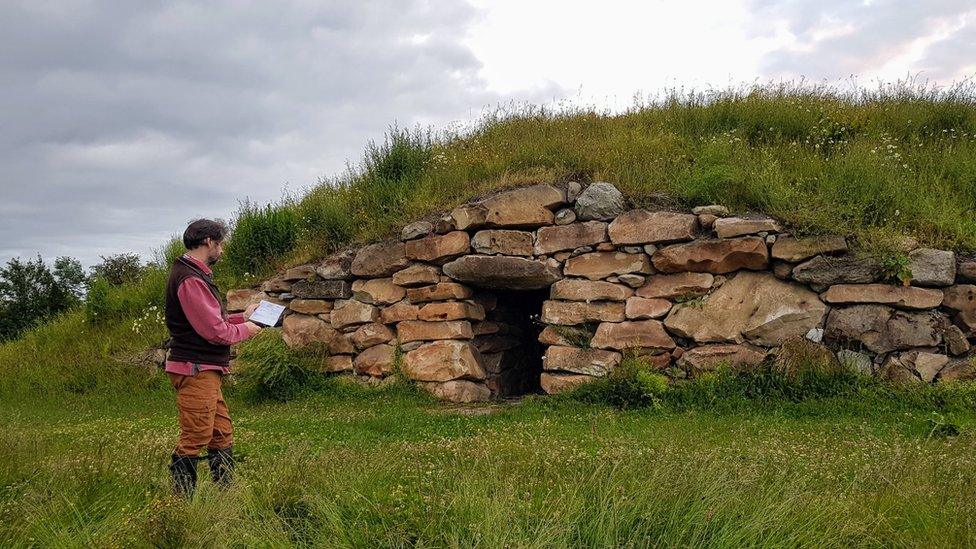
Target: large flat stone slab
[(569, 313), (593, 362), (644, 227), (569, 237), (578, 289), (716, 256), (502, 272), (754, 307), (882, 329), (636, 334), (597, 265), (886, 294), (827, 270), (444, 361), (794, 250)]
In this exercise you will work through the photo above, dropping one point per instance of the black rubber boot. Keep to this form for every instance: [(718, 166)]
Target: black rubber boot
[(221, 466), (183, 469)]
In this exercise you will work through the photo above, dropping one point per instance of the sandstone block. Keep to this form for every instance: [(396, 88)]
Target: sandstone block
[(380, 260), (729, 227), (676, 285), (351, 312), (451, 310), (419, 330), (441, 291), (310, 306), (375, 361), (576, 289), (444, 361), (642, 308), (417, 275), (439, 248), (593, 362), (713, 256), (574, 312), (754, 307), (371, 334), (597, 265), (502, 272), (399, 312), (503, 242), (632, 334), (570, 237), (300, 330), (900, 297), (460, 391), (644, 227)]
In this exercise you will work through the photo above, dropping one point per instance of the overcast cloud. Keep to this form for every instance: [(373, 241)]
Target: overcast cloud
[(121, 121)]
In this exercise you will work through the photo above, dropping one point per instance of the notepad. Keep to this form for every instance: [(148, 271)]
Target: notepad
[(267, 314)]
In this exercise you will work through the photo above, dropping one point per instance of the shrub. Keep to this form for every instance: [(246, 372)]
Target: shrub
[(268, 370), (118, 269), (633, 384)]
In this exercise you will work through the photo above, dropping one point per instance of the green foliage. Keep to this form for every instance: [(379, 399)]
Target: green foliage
[(260, 236), (268, 370), (118, 269), (97, 308), (634, 383), (31, 293), (897, 267)]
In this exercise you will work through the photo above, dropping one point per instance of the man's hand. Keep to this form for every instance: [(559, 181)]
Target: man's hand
[(252, 328), (250, 310)]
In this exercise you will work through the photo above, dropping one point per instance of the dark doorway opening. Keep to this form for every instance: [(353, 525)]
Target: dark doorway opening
[(512, 352)]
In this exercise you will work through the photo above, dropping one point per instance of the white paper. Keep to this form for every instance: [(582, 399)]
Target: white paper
[(267, 313)]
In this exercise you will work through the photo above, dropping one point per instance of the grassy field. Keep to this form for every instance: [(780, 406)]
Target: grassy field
[(353, 467)]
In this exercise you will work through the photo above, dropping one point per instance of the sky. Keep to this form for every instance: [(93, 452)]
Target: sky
[(120, 122)]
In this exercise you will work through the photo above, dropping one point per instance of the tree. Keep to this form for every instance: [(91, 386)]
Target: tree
[(31, 292), (118, 269)]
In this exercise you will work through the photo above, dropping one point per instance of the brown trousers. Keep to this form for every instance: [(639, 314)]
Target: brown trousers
[(204, 418)]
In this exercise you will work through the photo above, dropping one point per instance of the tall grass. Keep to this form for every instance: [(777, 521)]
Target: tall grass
[(876, 165), (382, 468)]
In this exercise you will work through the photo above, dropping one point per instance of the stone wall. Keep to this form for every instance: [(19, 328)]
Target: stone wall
[(468, 303)]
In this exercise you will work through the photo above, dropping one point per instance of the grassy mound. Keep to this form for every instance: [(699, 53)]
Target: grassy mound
[(875, 166)]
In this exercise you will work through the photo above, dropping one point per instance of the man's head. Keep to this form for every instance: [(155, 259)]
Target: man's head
[(204, 238)]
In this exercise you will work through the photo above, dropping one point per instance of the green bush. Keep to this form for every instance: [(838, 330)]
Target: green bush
[(633, 384), (267, 369)]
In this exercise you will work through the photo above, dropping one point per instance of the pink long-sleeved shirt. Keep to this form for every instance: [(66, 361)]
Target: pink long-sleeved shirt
[(203, 312)]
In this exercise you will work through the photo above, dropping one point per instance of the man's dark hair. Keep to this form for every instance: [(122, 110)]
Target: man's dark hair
[(202, 229)]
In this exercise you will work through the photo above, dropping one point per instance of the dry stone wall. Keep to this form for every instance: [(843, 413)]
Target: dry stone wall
[(469, 303)]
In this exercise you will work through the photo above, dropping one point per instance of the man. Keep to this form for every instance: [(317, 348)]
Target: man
[(201, 334)]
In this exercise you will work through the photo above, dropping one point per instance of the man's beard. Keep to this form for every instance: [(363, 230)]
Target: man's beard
[(211, 260)]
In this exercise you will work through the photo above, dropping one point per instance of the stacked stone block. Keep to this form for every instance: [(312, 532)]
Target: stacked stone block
[(684, 290)]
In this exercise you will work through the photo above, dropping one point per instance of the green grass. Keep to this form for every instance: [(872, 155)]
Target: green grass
[(874, 165), (354, 467)]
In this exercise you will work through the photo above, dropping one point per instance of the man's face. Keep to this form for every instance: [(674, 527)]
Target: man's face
[(215, 248)]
